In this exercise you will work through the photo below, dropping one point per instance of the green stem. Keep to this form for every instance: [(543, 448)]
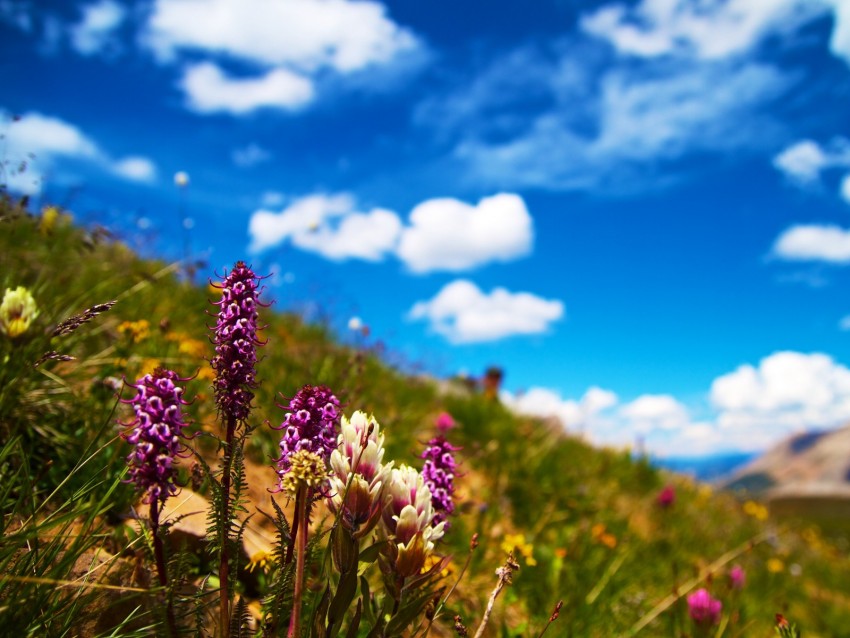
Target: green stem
[(159, 556)]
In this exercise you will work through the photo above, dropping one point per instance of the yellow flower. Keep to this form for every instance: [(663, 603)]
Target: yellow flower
[(17, 311), (261, 560), (148, 365), (756, 510), (517, 542), (136, 330), (433, 559), (775, 565), (51, 217)]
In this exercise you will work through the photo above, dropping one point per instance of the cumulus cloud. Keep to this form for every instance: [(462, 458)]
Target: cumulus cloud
[(710, 30), (750, 408), (208, 90), (813, 242), (136, 169), (43, 140), (250, 155), (448, 234), (329, 225), (96, 30), (803, 162), (786, 392), (306, 34), (463, 313), (441, 234)]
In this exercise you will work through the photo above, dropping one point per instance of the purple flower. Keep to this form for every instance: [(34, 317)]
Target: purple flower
[(311, 425), (666, 497), (703, 609), (235, 339), (155, 432), (439, 475), (737, 577)]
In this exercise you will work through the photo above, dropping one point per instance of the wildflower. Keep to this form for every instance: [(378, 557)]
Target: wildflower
[(775, 565), (358, 474), (155, 432), (666, 497), (756, 510), (17, 311), (409, 518), (439, 474), (703, 609), (306, 469), (235, 340), (445, 422), (737, 577), (136, 330), (601, 535), (311, 425), (260, 560), (517, 542)]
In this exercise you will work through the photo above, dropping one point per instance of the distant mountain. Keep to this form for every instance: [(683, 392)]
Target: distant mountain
[(706, 468), (804, 465)]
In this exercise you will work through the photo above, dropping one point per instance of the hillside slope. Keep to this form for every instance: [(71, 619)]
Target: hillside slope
[(586, 523)]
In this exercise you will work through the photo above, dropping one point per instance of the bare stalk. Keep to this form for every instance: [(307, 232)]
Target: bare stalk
[(224, 564), (301, 499), (159, 556), (505, 574)]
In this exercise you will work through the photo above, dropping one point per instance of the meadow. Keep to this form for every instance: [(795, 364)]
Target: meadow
[(535, 533)]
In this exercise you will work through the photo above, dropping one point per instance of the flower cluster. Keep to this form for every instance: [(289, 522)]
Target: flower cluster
[(17, 311), (359, 474), (409, 518), (311, 425), (235, 339), (439, 474), (703, 609), (155, 432), (666, 497)]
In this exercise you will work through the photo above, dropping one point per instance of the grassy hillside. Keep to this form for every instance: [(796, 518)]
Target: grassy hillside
[(585, 524)]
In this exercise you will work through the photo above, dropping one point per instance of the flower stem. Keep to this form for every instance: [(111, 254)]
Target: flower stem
[(159, 556), (301, 499), (224, 564)]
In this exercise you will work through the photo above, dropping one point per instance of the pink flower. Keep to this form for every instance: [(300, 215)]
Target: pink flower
[(737, 577), (445, 422), (704, 609), (666, 497)]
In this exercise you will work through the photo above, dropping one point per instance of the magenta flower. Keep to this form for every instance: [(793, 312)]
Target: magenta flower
[(156, 433), (445, 422), (235, 339), (703, 609), (737, 577), (439, 473), (311, 425), (666, 497)]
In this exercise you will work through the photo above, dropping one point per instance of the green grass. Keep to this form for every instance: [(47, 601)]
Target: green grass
[(599, 541)]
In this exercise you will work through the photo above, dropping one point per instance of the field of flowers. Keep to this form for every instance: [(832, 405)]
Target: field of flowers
[(336, 495)]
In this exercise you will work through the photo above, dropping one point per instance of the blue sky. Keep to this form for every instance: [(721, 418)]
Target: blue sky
[(640, 210)]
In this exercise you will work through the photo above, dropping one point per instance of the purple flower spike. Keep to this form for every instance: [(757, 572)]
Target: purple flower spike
[(156, 433), (439, 475), (312, 425), (235, 339)]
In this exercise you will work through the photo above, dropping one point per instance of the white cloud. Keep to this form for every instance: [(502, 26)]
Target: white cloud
[(448, 234), (574, 415), (844, 189), (209, 90), (270, 199), (136, 169), (787, 392), (304, 34), (250, 155), (462, 313), (707, 30), (844, 323), (328, 225), (42, 140), (839, 42), (97, 27), (804, 161), (655, 411), (442, 234), (814, 242)]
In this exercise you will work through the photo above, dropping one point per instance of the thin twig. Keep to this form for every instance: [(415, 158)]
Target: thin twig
[(505, 574)]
